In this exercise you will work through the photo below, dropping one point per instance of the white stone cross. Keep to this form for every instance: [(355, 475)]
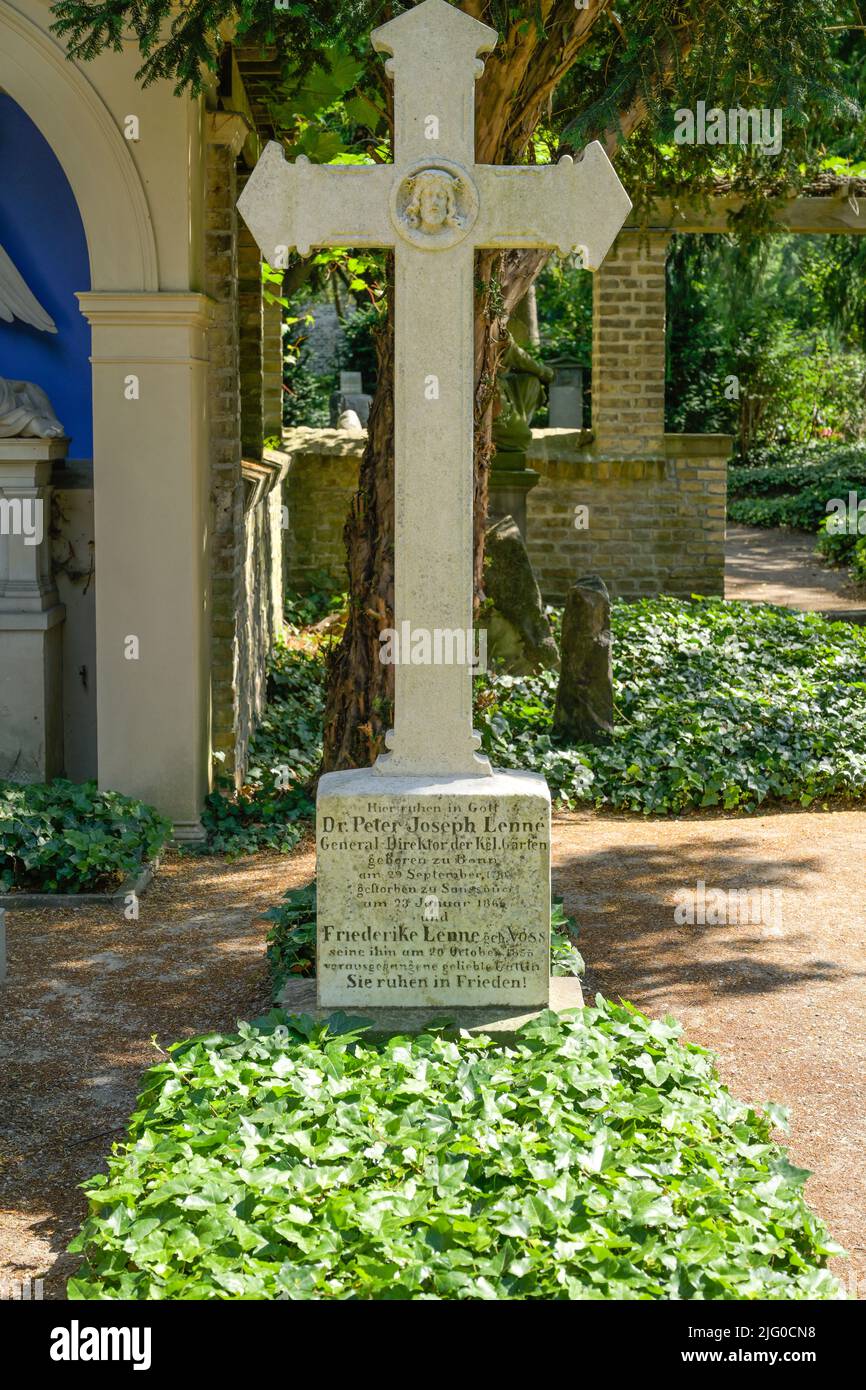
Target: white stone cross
[(435, 206)]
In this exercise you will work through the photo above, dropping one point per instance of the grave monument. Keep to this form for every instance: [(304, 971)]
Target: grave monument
[(433, 867)]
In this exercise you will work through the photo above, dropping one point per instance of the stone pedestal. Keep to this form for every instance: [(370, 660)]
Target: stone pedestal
[(499, 1022), (433, 892), (508, 489), (31, 617)]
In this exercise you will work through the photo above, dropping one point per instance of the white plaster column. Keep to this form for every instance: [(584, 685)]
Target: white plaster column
[(151, 506), (31, 615)]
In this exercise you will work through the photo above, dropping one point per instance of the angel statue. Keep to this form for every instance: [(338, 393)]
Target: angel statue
[(25, 410)]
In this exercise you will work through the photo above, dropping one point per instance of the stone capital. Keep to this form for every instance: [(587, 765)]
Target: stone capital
[(166, 328)]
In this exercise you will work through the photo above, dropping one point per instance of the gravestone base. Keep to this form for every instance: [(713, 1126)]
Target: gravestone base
[(299, 997), (433, 893)]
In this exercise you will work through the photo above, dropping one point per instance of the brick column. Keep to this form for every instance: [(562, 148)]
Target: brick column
[(272, 370), (628, 347), (226, 481), (250, 328)]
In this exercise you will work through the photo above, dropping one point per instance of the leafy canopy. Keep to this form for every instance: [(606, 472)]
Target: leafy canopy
[(560, 74)]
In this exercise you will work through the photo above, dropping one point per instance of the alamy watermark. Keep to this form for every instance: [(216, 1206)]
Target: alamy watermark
[(737, 126), (22, 1290), (716, 907), (23, 516), (846, 518), (438, 646), (77, 1343)]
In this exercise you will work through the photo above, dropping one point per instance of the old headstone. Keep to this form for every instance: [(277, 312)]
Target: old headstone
[(584, 697), (433, 868), (565, 397), (31, 614), (520, 640), (351, 397)]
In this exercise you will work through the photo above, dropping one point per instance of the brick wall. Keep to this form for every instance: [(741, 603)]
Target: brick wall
[(227, 489), (656, 525), (272, 370), (246, 540), (628, 347), (322, 478)]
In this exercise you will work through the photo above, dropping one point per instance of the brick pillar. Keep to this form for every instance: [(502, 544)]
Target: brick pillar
[(272, 370), (250, 324), (628, 347), (227, 489)]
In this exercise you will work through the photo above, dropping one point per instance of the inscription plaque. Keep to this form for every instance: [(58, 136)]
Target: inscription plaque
[(436, 895)]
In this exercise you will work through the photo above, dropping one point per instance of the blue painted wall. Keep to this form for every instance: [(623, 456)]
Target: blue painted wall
[(41, 229)]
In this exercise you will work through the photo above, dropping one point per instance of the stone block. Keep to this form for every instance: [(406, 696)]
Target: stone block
[(433, 891)]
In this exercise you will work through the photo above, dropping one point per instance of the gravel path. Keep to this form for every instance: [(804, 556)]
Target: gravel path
[(772, 565), (85, 993), (783, 1003)]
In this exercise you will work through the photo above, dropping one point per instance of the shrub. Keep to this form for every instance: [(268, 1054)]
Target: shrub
[(791, 485), (291, 945), (598, 1157), (837, 548), (790, 466), (303, 610), (63, 837), (306, 396)]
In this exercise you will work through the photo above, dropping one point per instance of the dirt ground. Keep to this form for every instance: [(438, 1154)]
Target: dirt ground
[(772, 565), (782, 1003), (85, 993)]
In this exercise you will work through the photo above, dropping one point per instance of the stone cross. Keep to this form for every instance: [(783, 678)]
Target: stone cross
[(435, 207)]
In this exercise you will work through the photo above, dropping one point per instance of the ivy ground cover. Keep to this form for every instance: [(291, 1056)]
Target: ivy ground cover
[(716, 704), (66, 837), (598, 1157)]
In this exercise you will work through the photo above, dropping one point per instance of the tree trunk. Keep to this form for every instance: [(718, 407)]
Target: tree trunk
[(360, 691)]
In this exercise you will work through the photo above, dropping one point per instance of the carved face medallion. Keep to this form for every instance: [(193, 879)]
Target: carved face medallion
[(434, 205)]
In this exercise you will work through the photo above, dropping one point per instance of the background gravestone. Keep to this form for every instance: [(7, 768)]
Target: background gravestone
[(351, 396), (520, 639), (584, 698), (566, 397)]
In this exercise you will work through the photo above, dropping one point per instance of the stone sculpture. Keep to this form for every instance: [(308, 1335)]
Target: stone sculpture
[(26, 412), (521, 384), (17, 301)]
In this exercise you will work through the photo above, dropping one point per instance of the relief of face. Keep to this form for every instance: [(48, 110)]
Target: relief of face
[(433, 206)]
